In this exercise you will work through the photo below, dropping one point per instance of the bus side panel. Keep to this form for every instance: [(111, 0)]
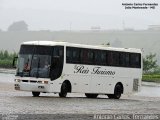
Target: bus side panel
[(80, 83), (55, 85), (101, 84), (128, 82), (98, 83)]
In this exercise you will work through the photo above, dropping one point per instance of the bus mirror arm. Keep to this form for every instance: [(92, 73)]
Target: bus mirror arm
[(14, 60)]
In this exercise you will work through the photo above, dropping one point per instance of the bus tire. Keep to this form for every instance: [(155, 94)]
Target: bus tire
[(117, 91), (64, 90), (35, 94), (91, 95)]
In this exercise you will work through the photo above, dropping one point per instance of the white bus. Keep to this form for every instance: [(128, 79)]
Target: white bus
[(61, 67)]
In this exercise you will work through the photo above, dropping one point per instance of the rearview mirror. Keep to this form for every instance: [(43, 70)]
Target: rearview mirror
[(14, 60)]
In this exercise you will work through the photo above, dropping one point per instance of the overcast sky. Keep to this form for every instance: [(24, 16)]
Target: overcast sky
[(77, 14)]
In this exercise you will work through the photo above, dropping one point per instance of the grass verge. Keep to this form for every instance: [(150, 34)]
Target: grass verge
[(151, 78)]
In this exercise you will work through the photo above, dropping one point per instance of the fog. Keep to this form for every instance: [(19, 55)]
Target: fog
[(73, 20), (77, 14)]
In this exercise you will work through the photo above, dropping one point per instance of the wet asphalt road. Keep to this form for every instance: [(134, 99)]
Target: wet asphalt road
[(75, 106), (19, 105)]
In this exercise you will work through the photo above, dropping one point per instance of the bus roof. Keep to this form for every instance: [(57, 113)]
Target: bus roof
[(53, 43)]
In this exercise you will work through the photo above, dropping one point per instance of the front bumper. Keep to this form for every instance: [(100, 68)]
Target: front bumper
[(36, 85)]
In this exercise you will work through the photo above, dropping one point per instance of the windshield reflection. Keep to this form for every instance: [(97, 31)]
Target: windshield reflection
[(35, 61), (34, 66)]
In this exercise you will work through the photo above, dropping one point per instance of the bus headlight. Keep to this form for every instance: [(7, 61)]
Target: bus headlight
[(45, 82), (17, 80)]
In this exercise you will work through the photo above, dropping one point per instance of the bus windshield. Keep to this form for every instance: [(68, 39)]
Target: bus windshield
[(34, 61)]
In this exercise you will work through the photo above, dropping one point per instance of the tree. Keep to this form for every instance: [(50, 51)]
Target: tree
[(18, 26), (149, 63), (157, 70), (1, 54), (5, 54)]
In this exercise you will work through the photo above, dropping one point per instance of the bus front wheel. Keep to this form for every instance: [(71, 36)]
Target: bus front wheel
[(35, 94), (91, 95), (64, 90)]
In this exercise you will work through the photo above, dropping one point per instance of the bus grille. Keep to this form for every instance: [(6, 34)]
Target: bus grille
[(135, 85)]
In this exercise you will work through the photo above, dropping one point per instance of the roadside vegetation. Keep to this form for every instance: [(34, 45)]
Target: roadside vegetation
[(151, 71), (6, 59), (151, 78)]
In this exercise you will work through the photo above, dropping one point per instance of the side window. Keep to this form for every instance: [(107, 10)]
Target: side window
[(127, 59), (76, 55), (97, 59), (100, 57), (104, 57), (124, 59), (73, 55), (68, 55), (90, 56), (110, 58), (84, 56), (138, 60), (115, 58), (135, 60)]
